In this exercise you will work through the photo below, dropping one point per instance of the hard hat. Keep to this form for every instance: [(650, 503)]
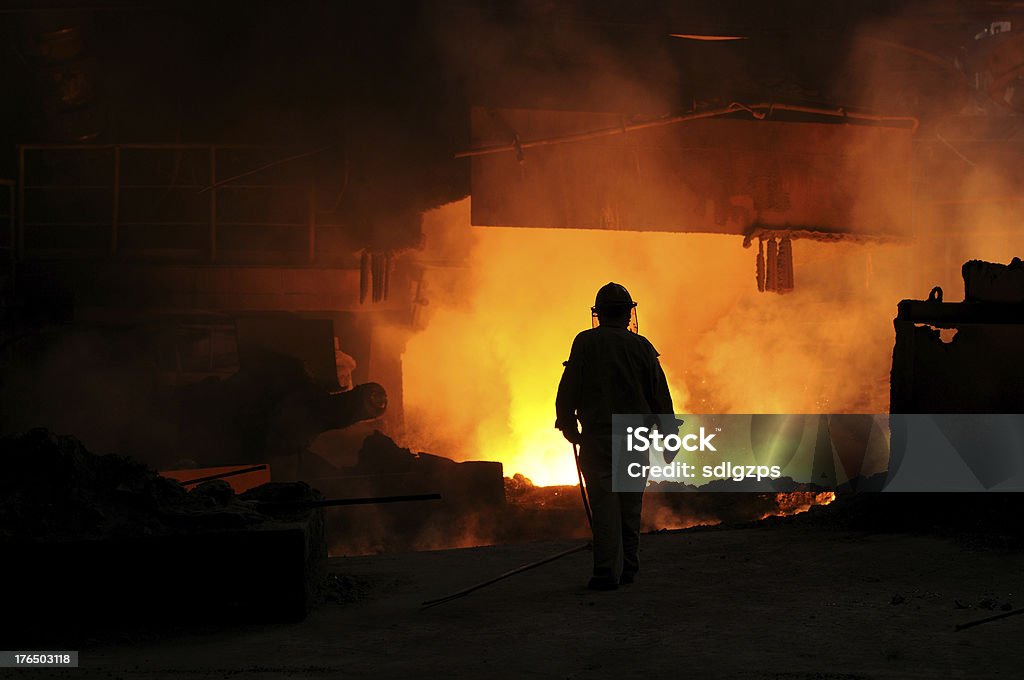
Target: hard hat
[(612, 295)]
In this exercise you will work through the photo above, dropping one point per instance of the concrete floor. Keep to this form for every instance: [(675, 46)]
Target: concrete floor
[(763, 602)]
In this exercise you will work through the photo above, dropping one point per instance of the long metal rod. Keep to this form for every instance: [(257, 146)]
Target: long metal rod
[(759, 111), (142, 147), (466, 591), (583, 487), (331, 502), (987, 619), (374, 500), (527, 567), (818, 235), (222, 475), (261, 168)]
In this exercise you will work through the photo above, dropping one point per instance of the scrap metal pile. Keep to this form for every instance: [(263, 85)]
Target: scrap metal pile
[(94, 541), (53, 488)]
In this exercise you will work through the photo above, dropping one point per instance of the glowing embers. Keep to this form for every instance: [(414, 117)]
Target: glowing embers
[(795, 502), (775, 265)]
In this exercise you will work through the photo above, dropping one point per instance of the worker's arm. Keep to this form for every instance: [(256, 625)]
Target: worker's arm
[(662, 396), (659, 396), (661, 403), (569, 388)]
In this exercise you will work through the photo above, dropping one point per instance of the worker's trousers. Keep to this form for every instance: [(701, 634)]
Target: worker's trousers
[(616, 516)]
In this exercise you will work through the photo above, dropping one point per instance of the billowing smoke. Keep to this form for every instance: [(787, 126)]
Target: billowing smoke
[(480, 378)]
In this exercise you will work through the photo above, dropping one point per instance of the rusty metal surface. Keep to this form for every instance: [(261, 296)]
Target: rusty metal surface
[(728, 176)]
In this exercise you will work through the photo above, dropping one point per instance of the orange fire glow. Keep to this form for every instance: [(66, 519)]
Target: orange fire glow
[(503, 305), (480, 379)]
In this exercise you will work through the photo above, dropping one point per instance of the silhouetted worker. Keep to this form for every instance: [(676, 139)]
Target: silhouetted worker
[(611, 369)]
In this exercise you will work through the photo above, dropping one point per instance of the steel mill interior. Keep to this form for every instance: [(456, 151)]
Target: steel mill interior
[(322, 323)]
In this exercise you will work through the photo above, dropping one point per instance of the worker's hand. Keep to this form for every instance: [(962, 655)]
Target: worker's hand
[(572, 435)]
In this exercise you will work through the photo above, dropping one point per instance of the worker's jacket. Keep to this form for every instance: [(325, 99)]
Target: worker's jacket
[(610, 370)]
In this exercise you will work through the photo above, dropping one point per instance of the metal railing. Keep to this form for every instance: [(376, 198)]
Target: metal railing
[(90, 200)]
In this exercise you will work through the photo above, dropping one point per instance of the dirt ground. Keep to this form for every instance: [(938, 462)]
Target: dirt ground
[(759, 602)]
